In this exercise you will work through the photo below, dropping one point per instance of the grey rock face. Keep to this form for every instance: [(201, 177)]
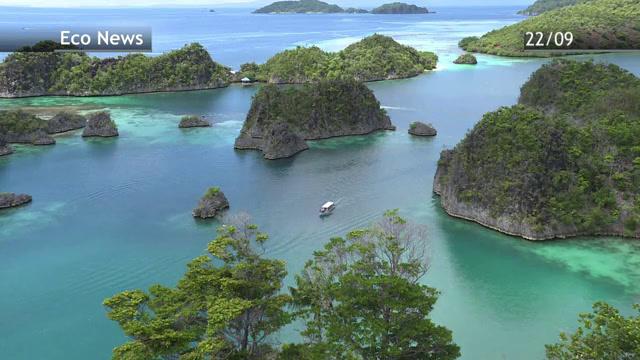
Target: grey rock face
[(5, 149), (100, 125), (283, 142), (9, 200), (422, 129), (65, 121), (211, 204), (191, 121)]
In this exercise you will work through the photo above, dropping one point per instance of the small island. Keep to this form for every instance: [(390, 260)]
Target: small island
[(400, 8), (376, 57), (466, 59), (25, 74), (21, 127), (600, 24), (421, 129), (563, 162), (100, 125), (212, 204), (300, 7), (282, 119), (191, 121), (10, 200), (65, 121)]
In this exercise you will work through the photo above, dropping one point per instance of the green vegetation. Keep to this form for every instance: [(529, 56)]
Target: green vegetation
[(225, 306), (338, 105), (376, 57), (360, 298), (299, 6), (541, 6), (212, 192), (468, 59), (20, 122), (594, 24), (399, 8), (603, 334), (565, 161), (77, 74)]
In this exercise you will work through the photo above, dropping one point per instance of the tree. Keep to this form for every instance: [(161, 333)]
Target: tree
[(602, 334), (361, 298), (225, 306)]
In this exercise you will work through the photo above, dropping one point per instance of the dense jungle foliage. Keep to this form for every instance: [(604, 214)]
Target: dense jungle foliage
[(300, 7), (79, 74), (399, 8), (595, 24), (376, 57), (567, 155), (541, 6)]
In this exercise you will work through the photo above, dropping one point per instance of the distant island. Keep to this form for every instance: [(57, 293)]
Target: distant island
[(77, 74), (281, 119), (542, 6), (598, 23), (300, 7), (321, 7), (374, 58), (400, 8), (563, 162)]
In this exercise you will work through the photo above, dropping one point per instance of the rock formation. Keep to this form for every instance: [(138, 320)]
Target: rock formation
[(281, 119), (9, 200), (212, 204), (421, 129), (100, 125), (191, 121)]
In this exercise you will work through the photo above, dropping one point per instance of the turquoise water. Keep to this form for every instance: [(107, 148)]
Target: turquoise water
[(114, 214)]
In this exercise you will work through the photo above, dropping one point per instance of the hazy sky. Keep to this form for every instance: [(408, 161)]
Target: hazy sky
[(243, 3)]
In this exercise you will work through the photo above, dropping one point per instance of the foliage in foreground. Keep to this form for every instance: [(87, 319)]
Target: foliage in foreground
[(225, 306), (376, 57), (602, 334), (598, 23), (360, 298)]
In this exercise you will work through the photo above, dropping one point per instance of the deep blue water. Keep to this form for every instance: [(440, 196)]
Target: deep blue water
[(110, 215)]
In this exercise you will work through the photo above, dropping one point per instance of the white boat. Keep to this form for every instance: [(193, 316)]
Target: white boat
[(327, 208)]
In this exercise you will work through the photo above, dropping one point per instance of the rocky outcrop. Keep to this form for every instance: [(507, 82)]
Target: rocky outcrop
[(65, 121), (100, 125), (25, 74), (9, 200), (421, 129), (466, 59), (212, 204), (5, 149), (191, 121), (20, 127), (555, 165), (281, 119)]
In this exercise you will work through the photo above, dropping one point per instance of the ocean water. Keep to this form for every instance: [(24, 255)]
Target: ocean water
[(115, 214)]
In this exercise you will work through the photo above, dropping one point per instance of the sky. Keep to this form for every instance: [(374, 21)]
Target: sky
[(243, 3)]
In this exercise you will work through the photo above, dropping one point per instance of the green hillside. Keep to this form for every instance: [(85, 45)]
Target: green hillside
[(598, 23)]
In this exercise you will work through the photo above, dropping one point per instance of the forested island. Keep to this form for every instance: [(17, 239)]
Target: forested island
[(563, 162), (541, 6), (77, 74), (595, 24), (400, 8), (300, 7), (321, 7), (374, 58), (281, 119)]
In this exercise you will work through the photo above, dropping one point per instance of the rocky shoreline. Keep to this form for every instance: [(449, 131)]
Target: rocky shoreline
[(100, 125), (10, 200), (280, 121)]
